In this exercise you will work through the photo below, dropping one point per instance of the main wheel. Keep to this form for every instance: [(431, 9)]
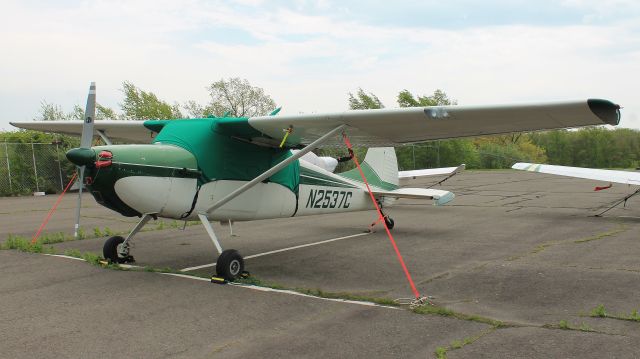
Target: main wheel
[(389, 222), (110, 249), (230, 265)]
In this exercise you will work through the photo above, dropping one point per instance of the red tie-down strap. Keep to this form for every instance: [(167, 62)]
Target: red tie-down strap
[(381, 218), (53, 209)]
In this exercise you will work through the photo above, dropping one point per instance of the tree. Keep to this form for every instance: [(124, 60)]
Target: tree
[(439, 98), (236, 97), (51, 112), (142, 105), (363, 100)]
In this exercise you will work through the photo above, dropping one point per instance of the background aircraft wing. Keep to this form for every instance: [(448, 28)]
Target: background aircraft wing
[(439, 196), (128, 131), (626, 177), (387, 127)]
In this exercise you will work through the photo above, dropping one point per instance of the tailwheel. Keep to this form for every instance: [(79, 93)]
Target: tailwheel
[(230, 265), (389, 222), (115, 251)]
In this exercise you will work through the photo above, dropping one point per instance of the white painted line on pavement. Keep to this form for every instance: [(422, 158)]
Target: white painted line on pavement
[(280, 250), (285, 291)]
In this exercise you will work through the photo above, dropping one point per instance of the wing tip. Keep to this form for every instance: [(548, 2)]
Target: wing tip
[(606, 111)]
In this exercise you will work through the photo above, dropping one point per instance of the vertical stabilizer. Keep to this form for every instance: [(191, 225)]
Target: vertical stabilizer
[(380, 166)]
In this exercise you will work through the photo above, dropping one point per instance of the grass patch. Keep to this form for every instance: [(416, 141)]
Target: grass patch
[(441, 352), (596, 237), (437, 310), (24, 245), (564, 325), (599, 311)]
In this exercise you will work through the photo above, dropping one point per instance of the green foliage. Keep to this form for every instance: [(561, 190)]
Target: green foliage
[(363, 100), (441, 353), (439, 98), (97, 232), (595, 147), (234, 96), (142, 105), (564, 325), (24, 245), (108, 232), (599, 311), (585, 328)]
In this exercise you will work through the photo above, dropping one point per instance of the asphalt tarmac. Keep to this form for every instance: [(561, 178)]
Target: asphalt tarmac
[(520, 248)]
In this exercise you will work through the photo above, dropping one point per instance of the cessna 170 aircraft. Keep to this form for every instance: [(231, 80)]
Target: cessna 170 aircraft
[(262, 167)]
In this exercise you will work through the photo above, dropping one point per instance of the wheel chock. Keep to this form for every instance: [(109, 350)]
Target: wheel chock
[(245, 274), (104, 263), (218, 280)]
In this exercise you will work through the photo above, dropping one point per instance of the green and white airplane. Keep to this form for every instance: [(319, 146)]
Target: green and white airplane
[(243, 169)]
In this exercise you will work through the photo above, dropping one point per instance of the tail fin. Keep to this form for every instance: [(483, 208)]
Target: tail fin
[(380, 166)]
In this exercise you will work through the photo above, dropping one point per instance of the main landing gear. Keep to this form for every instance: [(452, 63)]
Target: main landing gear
[(230, 264), (387, 220)]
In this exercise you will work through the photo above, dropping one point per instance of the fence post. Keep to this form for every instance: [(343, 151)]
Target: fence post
[(413, 152), (6, 153), (35, 168), (59, 167)]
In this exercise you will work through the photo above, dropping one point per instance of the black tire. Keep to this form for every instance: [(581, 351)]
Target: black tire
[(230, 265), (389, 222), (110, 249)]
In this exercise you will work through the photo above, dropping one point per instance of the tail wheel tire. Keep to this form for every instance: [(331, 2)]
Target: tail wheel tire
[(389, 222), (230, 265), (110, 249)]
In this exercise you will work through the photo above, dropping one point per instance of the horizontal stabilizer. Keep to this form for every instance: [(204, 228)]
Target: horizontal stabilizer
[(439, 196), (626, 177), (431, 172)]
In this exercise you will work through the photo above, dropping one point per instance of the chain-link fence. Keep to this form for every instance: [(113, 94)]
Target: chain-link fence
[(33, 167)]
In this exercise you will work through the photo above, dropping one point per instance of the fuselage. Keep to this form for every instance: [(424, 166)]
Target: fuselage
[(168, 181)]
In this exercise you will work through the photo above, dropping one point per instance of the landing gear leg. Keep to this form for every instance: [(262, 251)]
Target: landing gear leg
[(387, 220), (230, 264), (116, 249)]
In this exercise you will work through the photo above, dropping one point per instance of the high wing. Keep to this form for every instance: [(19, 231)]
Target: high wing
[(129, 131), (439, 196), (387, 127), (626, 177), (431, 172), (383, 127)]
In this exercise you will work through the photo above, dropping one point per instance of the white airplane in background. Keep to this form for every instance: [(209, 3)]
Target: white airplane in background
[(624, 177), (241, 169)]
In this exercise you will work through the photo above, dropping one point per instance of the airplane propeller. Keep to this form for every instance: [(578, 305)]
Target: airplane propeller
[(84, 155)]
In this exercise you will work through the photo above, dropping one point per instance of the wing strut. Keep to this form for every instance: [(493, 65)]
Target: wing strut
[(270, 172), (624, 200)]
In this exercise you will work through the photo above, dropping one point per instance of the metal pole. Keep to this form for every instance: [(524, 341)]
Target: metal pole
[(35, 168), (80, 182), (6, 152), (59, 168), (413, 153)]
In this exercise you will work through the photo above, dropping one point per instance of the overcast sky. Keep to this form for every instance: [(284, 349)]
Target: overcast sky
[(308, 55)]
